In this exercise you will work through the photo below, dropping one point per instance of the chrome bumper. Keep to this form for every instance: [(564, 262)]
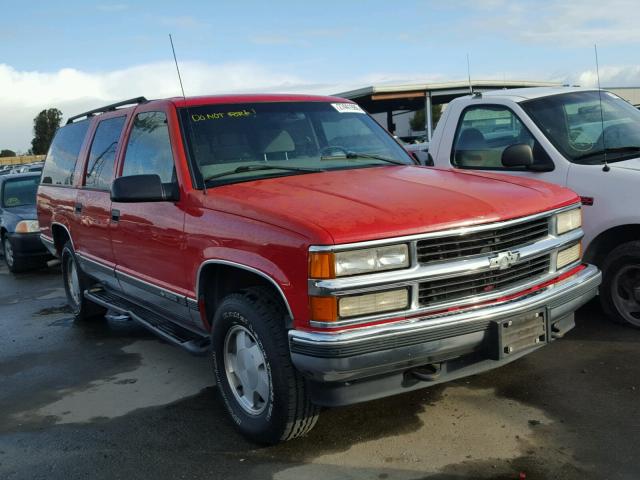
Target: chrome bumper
[(457, 341)]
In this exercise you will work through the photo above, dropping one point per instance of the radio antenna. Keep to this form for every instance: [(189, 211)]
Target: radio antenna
[(175, 59), (469, 76), (184, 97), (606, 167)]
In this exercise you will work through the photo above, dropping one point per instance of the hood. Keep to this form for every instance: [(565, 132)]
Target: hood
[(379, 202), (631, 164)]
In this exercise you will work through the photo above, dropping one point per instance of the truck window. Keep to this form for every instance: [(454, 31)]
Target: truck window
[(582, 132), (63, 154), (294, 135), (484, 132), (103, 153), (149, 147)]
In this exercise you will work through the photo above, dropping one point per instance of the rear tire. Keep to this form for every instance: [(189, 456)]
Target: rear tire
[(75, 283), (620, 289), (266, 397)]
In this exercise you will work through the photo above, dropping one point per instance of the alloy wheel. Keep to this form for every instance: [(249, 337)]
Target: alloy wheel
[(246, 370)]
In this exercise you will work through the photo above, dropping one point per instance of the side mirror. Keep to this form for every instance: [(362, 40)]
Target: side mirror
[(518, 155), (140, 188)]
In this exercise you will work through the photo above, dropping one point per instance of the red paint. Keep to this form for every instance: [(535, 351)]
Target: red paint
[(269, 224)]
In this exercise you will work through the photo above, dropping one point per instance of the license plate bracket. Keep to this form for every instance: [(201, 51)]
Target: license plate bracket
[(521, 332)]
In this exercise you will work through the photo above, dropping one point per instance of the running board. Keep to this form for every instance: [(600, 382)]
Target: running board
[(158, 324)]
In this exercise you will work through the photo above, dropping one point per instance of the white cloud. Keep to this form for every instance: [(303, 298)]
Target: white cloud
[(611, 76), (575, 24), (112, 7), (24, 93)]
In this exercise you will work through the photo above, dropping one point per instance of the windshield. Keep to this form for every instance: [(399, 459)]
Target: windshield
[(20, 191), (240, 142), (573, 122)]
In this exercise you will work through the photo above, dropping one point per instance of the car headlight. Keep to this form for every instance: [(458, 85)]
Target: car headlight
[(371, 303), (568, 256), (356, 262), (27, 226), (569, 220)]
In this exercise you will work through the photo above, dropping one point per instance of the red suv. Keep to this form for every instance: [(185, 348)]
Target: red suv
[(293, 239)]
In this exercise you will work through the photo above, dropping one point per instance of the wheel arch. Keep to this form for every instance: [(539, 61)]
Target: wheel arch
[(610, 239), (218, 278), (60, 235)]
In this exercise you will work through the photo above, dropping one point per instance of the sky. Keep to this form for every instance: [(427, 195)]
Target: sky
[(77, 55)]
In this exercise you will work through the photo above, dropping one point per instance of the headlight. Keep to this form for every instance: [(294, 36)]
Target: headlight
[(27, 226), (568, 256), (569, 220), (372, 303), (355, 262)]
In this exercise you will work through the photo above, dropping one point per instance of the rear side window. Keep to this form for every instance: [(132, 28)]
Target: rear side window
[(63, 154), (103, 153), (149, 147)]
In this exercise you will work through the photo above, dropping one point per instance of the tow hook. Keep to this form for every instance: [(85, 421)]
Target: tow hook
[(427, 373)]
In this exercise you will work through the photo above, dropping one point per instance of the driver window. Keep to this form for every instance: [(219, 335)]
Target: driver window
[(149, 148), (485, 132)]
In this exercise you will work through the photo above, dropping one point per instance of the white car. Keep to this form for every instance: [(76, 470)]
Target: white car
[(585, 139)]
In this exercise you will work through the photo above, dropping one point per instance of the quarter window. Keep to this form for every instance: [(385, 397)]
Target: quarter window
[(485, 132), (149, 147), (103, 153), (63, 154)]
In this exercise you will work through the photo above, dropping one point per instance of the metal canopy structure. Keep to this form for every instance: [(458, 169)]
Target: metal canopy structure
[(391, 98)]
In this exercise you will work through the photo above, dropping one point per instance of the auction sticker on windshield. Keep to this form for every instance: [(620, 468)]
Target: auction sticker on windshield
[(347, 108)]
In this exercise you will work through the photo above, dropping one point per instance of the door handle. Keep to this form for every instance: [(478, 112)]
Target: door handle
[(78, 208), (115, 215)]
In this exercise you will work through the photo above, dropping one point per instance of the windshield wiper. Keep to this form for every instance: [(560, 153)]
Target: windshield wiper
[(370, 156), (627, 149), (255, 168)]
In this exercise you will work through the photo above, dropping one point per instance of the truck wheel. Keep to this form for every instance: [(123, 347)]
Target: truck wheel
[(263, 393), (620, 290), (75, 283), (14, 264)]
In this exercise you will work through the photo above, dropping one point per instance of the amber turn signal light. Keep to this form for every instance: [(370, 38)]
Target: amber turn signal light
[(324, 309), (322, 265)]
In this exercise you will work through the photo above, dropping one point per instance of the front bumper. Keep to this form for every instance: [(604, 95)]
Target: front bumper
[(359, 365), (28, 245)]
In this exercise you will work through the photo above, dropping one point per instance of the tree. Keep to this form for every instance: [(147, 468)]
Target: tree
[(44, 127), (7, 153), (417, 122)]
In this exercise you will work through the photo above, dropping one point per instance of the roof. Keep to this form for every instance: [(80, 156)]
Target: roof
[(392, 97), (522, 94), (11, 176), (251, 98)]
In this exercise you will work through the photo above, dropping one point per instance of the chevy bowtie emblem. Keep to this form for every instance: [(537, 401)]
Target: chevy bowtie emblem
[(503, 260)]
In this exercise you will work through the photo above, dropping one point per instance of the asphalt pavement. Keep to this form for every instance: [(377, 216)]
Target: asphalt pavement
[(108, 400)]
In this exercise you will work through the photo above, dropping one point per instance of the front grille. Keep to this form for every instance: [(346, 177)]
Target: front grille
[(449, 289), (487, 241)]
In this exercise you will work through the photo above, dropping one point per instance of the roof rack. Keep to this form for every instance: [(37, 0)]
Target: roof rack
[(108, 108)]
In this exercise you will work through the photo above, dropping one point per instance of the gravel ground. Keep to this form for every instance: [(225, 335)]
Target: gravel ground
[(107, 400)]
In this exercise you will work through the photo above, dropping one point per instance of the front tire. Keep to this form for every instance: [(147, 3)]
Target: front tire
[(620, 290), (14, 264), (264, 394), (75, 283)]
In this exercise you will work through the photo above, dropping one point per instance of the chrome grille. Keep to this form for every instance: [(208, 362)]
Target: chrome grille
[(455, 288), (486, 241)]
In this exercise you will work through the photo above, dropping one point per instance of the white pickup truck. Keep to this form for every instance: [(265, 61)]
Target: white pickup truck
[(584, 139)]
